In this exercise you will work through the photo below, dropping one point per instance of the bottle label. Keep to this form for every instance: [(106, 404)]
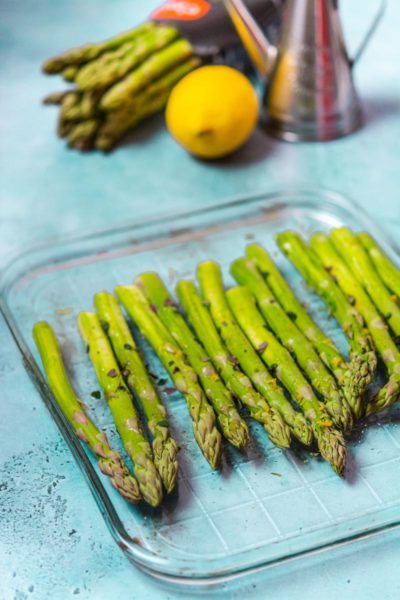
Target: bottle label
[(182, 10)]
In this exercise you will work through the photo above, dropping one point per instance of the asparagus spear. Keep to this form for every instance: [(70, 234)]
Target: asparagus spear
[(389, 274), (109, 461), (78, 56), (247, 274), (78, 118), (116, 125), (278, 358), (64, 128), (362, 355), (164, 446), (81, 135), (233, 427), (68, 102), (325, 347), (152, 99), (86, 106), (153, 67), (93, 69), (183, 375), (212, 287), (120, 402), (104, 61), (353, 253), (226, 364), (55, 97), (106, 70), (69, 73), (383, 341)]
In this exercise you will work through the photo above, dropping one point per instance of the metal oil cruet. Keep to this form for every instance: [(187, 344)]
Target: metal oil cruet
[(309, 87)]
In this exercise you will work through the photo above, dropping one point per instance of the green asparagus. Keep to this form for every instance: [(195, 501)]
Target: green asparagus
[(278, 358), (212, 287), (104, 62), (89, 73), (378, 330), (69, 73), (246, 273), (325, 347), (68, 102), (78, 56), (86, 106), (55, 97), (152, 99), (183, 375), (232, 425), (362, 356), (119, 83), (120, 402), (104, 132), (102, 73), (353, 253), (164, 446), (153, 67), (81, 135), (109, 461), (226, 364), (389, 274)]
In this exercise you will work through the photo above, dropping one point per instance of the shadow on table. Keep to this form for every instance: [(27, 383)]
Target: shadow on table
[(255, 150), (379, 109), (258, 148), (144, 132), (260, 145)]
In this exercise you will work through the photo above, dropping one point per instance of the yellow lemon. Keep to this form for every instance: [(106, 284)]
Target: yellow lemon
[(212, 111)]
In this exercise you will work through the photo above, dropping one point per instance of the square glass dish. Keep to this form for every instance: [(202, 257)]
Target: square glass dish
[(264, 505)]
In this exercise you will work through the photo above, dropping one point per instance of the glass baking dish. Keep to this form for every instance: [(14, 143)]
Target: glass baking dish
[(264, 505)]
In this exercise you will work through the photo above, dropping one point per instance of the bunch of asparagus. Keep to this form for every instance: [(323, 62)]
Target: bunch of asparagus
[(117, 83), (254, 343)]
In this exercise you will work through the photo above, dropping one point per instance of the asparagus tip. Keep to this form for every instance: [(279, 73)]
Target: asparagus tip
[(332, 447), (113, 466), (301, 430), (210, 441), (278, 431), (235, 431), (149, 482), (165, 459)]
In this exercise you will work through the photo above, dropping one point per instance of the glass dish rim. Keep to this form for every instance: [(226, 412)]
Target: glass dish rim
[(219, 569)]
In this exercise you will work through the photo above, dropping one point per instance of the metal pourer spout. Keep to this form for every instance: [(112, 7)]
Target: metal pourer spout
[(262, 53), (309, 88)]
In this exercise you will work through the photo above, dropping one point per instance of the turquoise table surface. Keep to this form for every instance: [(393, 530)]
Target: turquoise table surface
[(53, 541)]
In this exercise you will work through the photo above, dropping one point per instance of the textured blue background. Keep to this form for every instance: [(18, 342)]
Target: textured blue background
[(53, 542)]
